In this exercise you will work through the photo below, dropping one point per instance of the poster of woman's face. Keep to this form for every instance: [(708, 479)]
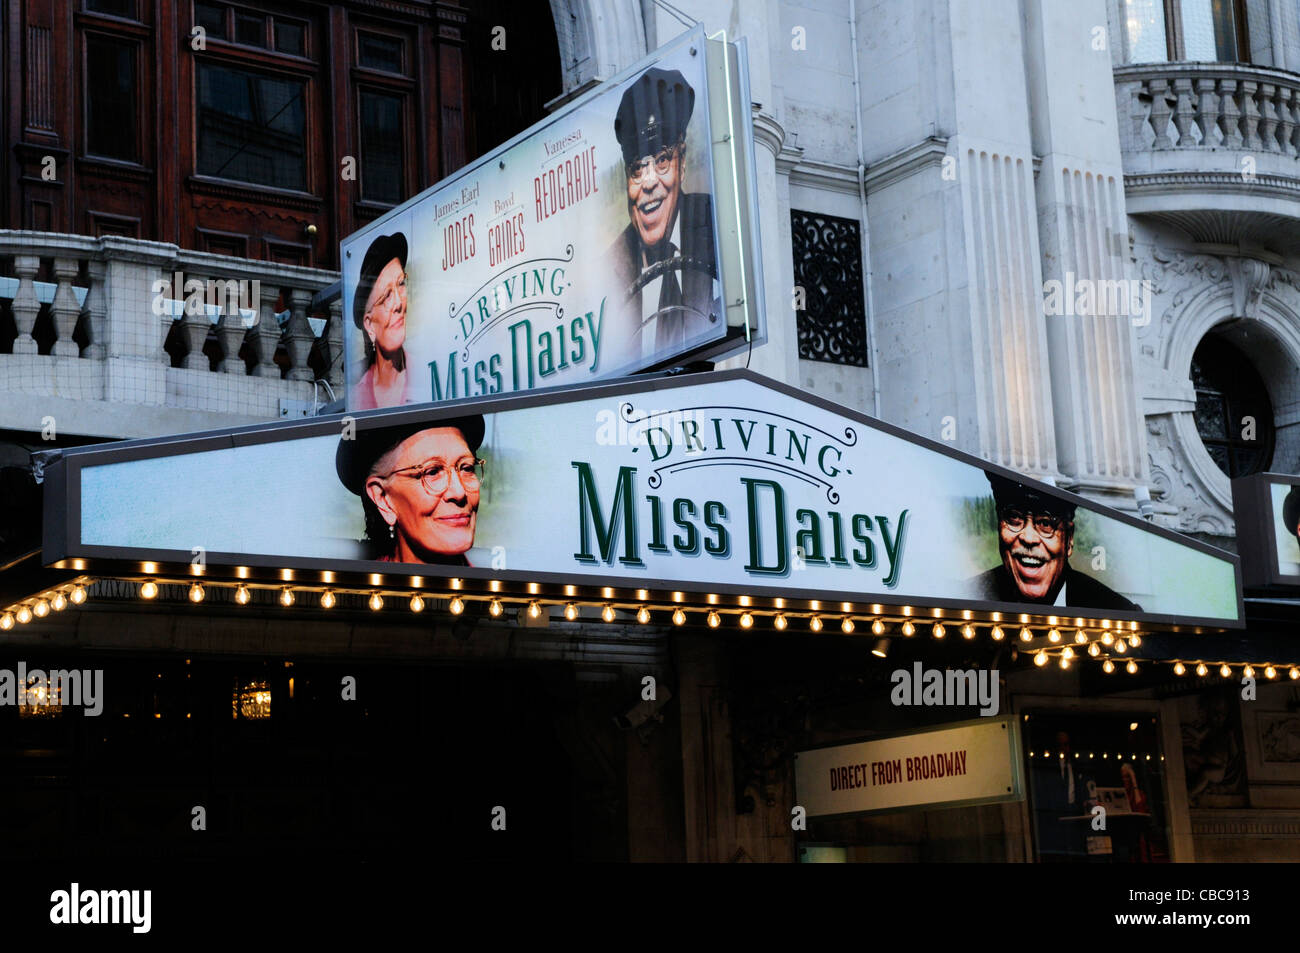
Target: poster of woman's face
[(418, 487)]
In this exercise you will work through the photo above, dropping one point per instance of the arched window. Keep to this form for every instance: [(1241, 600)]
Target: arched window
[(1234, 415)]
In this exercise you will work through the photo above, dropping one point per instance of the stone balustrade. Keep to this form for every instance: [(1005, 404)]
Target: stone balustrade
[(1213, 149), (1211, 106), (128, 322)]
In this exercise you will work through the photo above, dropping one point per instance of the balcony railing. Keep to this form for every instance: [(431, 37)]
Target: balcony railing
[(1214, 149), (1211, 106), (136, 322)]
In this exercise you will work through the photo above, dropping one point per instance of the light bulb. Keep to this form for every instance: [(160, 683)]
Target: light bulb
[(1134, 640), (997, 633), (148, 589), (643, 615), (495, 608), (376, 601), (457, 605), (877, 627), (571, 611), (58, 602), (679, 617), (908, 628), (1107, 639), (1225, 670), (1108, 666), (1180, 668), (78, 595), (713, 619), (1067, 652), (1248, 671), (1270, 671), (242, 595), (327, 600), (196, 592), (1202, 670), (1064, 662), (1131, 667), (815, 623), (534, 609), (1026, 635), (7, 621), (780, 622), (938, 630), (41, 609), (968, 631), (23, 615), (1121, 646), (1294, 673), (846, 625), (1094, 649), (607, 613), (746, 620), (286, 597), (417, 603), (1054, 635), (1040, 658)]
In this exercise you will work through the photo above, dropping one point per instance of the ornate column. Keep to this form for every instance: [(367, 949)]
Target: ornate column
[(25, 306), (64, 308), (266, 335), (195, 325), (299, 337), (231, 331)]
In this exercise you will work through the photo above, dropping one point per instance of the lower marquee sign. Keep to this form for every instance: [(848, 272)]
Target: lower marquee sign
[(975, 762), (706, 483)]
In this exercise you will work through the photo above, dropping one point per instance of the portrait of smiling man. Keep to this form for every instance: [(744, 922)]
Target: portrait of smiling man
[(1036, 540), (664, 261)]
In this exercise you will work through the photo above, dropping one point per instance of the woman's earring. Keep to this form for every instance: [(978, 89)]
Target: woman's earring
[(392, 532)]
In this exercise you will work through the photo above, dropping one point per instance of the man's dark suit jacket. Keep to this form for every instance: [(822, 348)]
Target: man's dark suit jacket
[(696, 279), (996, 585)]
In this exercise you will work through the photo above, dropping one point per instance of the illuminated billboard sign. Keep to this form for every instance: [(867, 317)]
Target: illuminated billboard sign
[(616, 236), (704, 483)]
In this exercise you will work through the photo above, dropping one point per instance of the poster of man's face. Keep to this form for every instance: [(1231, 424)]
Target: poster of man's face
[(1035, 539), (667, 295), (1286, 513)]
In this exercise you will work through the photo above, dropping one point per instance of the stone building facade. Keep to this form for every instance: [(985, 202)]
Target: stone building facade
[(926, 170)]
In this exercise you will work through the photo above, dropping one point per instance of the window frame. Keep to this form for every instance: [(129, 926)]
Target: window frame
[(267, 62), (1175, 48), (365, 79), (91, 31), (1265, 444)]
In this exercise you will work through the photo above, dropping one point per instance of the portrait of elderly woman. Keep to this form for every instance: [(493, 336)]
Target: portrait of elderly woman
[(379, 312), (419, 485)]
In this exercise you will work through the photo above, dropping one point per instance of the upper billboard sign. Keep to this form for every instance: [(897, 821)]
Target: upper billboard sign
[(699, 483), (613, 237)]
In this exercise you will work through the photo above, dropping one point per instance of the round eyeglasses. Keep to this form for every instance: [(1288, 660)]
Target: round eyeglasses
[(663, 160), (1047, 524), (436, 477)]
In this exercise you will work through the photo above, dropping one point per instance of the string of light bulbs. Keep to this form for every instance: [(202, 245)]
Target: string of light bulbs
[(1112, 640)]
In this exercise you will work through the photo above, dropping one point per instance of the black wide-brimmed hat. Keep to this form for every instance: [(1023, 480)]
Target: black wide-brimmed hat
[(354, 458), (381, 251), (653, 113), (1291, 510), (1014, 493)]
